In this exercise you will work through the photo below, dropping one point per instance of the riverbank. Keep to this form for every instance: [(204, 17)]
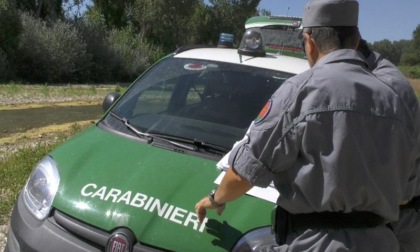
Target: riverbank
[(35, 117), (32, 113)]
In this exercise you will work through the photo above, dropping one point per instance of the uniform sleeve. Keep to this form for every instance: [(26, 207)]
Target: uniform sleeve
[(271, 146), (416, 175)]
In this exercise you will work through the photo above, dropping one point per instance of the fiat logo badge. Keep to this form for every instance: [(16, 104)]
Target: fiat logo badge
[(118, 243)]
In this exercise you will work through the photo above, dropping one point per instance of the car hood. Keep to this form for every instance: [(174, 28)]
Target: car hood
[(110, 181)]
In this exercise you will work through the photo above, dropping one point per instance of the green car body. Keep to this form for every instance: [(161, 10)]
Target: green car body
[(147, 194)]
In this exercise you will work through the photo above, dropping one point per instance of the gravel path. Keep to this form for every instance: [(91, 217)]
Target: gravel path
[(3, 238)]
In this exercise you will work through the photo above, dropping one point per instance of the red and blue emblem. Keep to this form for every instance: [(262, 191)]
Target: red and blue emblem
[(264, 112)]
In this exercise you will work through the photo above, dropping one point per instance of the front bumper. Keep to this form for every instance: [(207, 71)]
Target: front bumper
[(29, 234), (58, 232)]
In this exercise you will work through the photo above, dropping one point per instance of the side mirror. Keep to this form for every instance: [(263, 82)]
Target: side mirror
[(109, 100)]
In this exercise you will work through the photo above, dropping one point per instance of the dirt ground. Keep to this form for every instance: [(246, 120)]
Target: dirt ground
[(416, 85)]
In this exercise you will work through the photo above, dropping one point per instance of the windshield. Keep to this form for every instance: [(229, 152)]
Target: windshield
[(197, 100)]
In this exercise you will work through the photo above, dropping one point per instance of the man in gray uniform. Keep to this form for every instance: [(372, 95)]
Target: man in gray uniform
[(407, 228), (336, 142)]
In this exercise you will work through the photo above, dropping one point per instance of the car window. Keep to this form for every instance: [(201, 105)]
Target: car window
[(282, 36), (211, 101)]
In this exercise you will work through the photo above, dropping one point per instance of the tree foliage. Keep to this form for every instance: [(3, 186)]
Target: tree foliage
[(113, 11), (44, 9), (131, 53), (171, 24), (115, 40), (10, 28), (412, 56), (164, 23), (230, 15), (388, 50), (49, 53)]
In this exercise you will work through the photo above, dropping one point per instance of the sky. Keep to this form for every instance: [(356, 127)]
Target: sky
[(378, 19)]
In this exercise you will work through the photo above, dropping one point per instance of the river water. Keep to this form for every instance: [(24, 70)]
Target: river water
[(21, 120)]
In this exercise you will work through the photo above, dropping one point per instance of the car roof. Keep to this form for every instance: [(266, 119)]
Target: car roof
[(263, 21), (270, 61)]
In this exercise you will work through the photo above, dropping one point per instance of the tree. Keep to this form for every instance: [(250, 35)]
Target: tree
[(402, 46), (10, 28), (165, 23), (49, 53), (113, 11), (412, 57), (387, 50), (230, 15), (74, 9), (44, 9), (171, 24), (131, 53), (264, 12)]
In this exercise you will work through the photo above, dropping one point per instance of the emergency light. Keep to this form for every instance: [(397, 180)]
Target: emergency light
[(225, 40), (252, 43)]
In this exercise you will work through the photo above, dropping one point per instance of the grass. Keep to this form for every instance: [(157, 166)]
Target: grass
[(411, 71), (15, 169), (13, 173), (13, 91)]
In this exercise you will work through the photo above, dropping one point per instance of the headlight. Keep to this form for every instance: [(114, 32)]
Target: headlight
[(40, 190), (256, 240)]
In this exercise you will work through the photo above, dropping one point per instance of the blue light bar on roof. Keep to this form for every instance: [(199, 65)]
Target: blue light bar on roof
[(225, 40)]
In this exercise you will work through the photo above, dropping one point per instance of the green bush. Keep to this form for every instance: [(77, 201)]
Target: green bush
[(3, 65), (10, 28), (411, 71), (131, 54), (82, 51), (101, 63), (51, 53), (116, 55)]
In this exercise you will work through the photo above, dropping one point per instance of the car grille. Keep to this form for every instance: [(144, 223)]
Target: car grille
[(94, 236)]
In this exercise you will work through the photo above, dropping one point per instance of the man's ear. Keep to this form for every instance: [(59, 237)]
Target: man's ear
[(312, 51), (311, 47)]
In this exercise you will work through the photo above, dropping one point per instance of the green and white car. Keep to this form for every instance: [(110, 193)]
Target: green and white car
[(131, 181), (280, 34)]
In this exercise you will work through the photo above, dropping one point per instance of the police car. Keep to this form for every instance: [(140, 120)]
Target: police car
[(281, 35), (130, 182)]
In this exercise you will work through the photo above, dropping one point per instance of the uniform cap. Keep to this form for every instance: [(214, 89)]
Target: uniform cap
[(320, 13)]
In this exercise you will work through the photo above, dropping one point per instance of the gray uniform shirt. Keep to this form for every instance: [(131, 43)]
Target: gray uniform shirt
[(407, 228), (330, 139), (387, 72)]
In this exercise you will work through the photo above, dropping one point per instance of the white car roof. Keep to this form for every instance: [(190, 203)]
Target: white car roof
[(270, 61)]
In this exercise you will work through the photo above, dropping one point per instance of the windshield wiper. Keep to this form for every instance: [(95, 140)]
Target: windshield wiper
[(131, 127), (151, 137), (194, 144), (197, 144), (208, 146)]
